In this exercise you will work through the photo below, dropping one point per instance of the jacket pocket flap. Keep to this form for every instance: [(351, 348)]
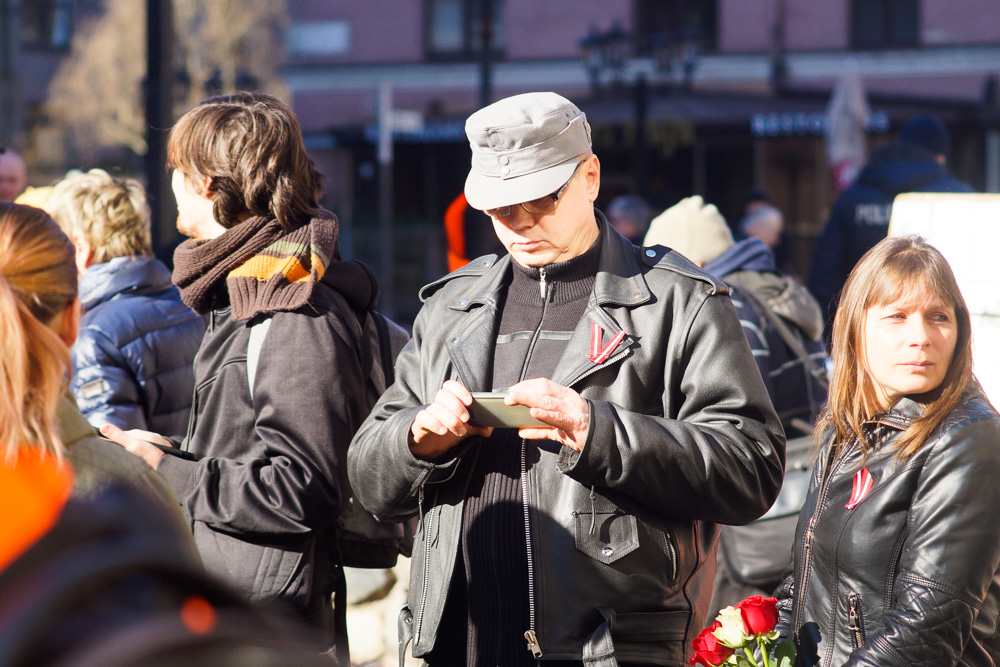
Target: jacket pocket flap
[(606, 536)]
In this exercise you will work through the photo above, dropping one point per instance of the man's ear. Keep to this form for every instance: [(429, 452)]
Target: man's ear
[(592, 177), (67, 322), (205, 187), (84, 254)]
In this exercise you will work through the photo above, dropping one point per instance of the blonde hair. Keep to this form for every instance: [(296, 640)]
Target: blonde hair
[(38, 280), (110, 213), (892, 268)]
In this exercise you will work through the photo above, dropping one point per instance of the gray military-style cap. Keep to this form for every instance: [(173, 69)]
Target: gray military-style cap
[(523, 147)]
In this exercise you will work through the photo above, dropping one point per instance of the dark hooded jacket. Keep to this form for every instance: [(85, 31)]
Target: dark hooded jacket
[(259, 474), (795, 384), (860, 216), (137, 341)]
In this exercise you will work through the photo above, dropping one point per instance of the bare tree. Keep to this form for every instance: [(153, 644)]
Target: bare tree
[(95, 98)]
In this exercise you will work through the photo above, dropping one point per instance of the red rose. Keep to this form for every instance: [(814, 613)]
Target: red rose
[(760, 614), (707, 649)]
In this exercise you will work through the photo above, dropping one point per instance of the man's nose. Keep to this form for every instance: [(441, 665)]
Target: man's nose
[(519, 218)]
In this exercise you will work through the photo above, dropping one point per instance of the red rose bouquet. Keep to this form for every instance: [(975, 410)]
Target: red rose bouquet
[(740, 630)]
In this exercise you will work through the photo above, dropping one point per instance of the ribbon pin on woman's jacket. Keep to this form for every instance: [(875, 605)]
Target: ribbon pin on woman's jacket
[(863, 483)]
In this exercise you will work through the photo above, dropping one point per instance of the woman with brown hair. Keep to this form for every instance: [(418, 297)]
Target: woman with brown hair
[(39, 316), (897, 552)]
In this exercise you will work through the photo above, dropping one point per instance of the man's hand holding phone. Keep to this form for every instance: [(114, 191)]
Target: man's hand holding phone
[(564, 411), (540, 409), (444, 423)]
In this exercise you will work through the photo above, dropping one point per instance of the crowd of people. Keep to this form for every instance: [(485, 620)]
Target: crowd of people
[(178, 445)]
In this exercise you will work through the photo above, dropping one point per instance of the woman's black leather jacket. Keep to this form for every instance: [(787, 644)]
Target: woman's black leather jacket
[(904, 570)]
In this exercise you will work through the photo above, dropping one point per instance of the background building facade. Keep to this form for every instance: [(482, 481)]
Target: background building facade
[(684, 96)]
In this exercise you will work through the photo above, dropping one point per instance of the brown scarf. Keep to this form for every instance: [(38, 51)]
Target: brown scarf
[(263, 268)]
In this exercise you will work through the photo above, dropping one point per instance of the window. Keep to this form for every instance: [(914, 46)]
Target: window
[(657, 21), (455, 28), (46, 24), (885, 23)]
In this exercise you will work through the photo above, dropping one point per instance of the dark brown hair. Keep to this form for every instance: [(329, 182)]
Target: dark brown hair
[(250, 145), (38, 280), (894, 267)]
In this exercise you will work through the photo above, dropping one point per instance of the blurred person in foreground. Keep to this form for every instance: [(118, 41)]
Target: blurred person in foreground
[(630, 216), (261, 469), (588, 539), (860, 216), (897, 552), (13, 174), (132, 360), (784, 326), (113, 580)]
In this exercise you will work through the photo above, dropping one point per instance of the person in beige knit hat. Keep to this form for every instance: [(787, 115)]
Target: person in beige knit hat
[(693, 228)]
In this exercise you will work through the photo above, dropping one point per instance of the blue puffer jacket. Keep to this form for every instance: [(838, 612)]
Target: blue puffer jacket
[(860, 216), (132, 361)]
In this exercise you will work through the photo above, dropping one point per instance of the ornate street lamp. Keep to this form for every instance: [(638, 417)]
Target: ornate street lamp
[(604, 55), (592, 49)]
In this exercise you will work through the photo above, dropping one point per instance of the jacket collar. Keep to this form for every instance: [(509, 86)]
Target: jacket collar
[(619, 279), (901, 415), (136, 275), (619, 282)]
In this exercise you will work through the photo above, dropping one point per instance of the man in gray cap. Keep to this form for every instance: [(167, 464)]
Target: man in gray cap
[(588, 536)]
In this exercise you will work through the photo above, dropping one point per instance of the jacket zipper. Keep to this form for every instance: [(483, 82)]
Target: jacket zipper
[(529, 636), (425, 526), (807, 537), (854, 621)]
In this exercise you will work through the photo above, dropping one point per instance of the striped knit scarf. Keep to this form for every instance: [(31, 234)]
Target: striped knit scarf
[(262, 268)]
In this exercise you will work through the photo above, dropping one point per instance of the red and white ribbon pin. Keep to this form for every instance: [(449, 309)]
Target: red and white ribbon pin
[(598, 353), (863, 483)]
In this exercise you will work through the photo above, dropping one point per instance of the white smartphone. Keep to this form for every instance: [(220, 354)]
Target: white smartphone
[(488, 409)]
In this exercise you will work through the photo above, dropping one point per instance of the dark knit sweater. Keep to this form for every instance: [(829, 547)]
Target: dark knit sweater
[(491, 582)]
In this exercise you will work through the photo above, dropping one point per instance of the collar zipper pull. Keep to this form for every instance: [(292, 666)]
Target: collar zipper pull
[(542, 283), (533, 646)]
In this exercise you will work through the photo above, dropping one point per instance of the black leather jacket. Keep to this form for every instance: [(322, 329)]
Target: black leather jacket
[(621, 536), (911, 575)]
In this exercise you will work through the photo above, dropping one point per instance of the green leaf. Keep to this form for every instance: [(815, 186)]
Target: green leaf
[(785, 653)]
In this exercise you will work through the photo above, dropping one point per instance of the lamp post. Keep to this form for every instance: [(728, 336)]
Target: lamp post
[(607, 52), (159, 117), (616, 48), (676, 56), (592, 49)]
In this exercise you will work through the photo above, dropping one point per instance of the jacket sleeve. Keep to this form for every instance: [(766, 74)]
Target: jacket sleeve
[(718, 452), (308, 399), (104, 384), (384, 474), (950, 557)]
